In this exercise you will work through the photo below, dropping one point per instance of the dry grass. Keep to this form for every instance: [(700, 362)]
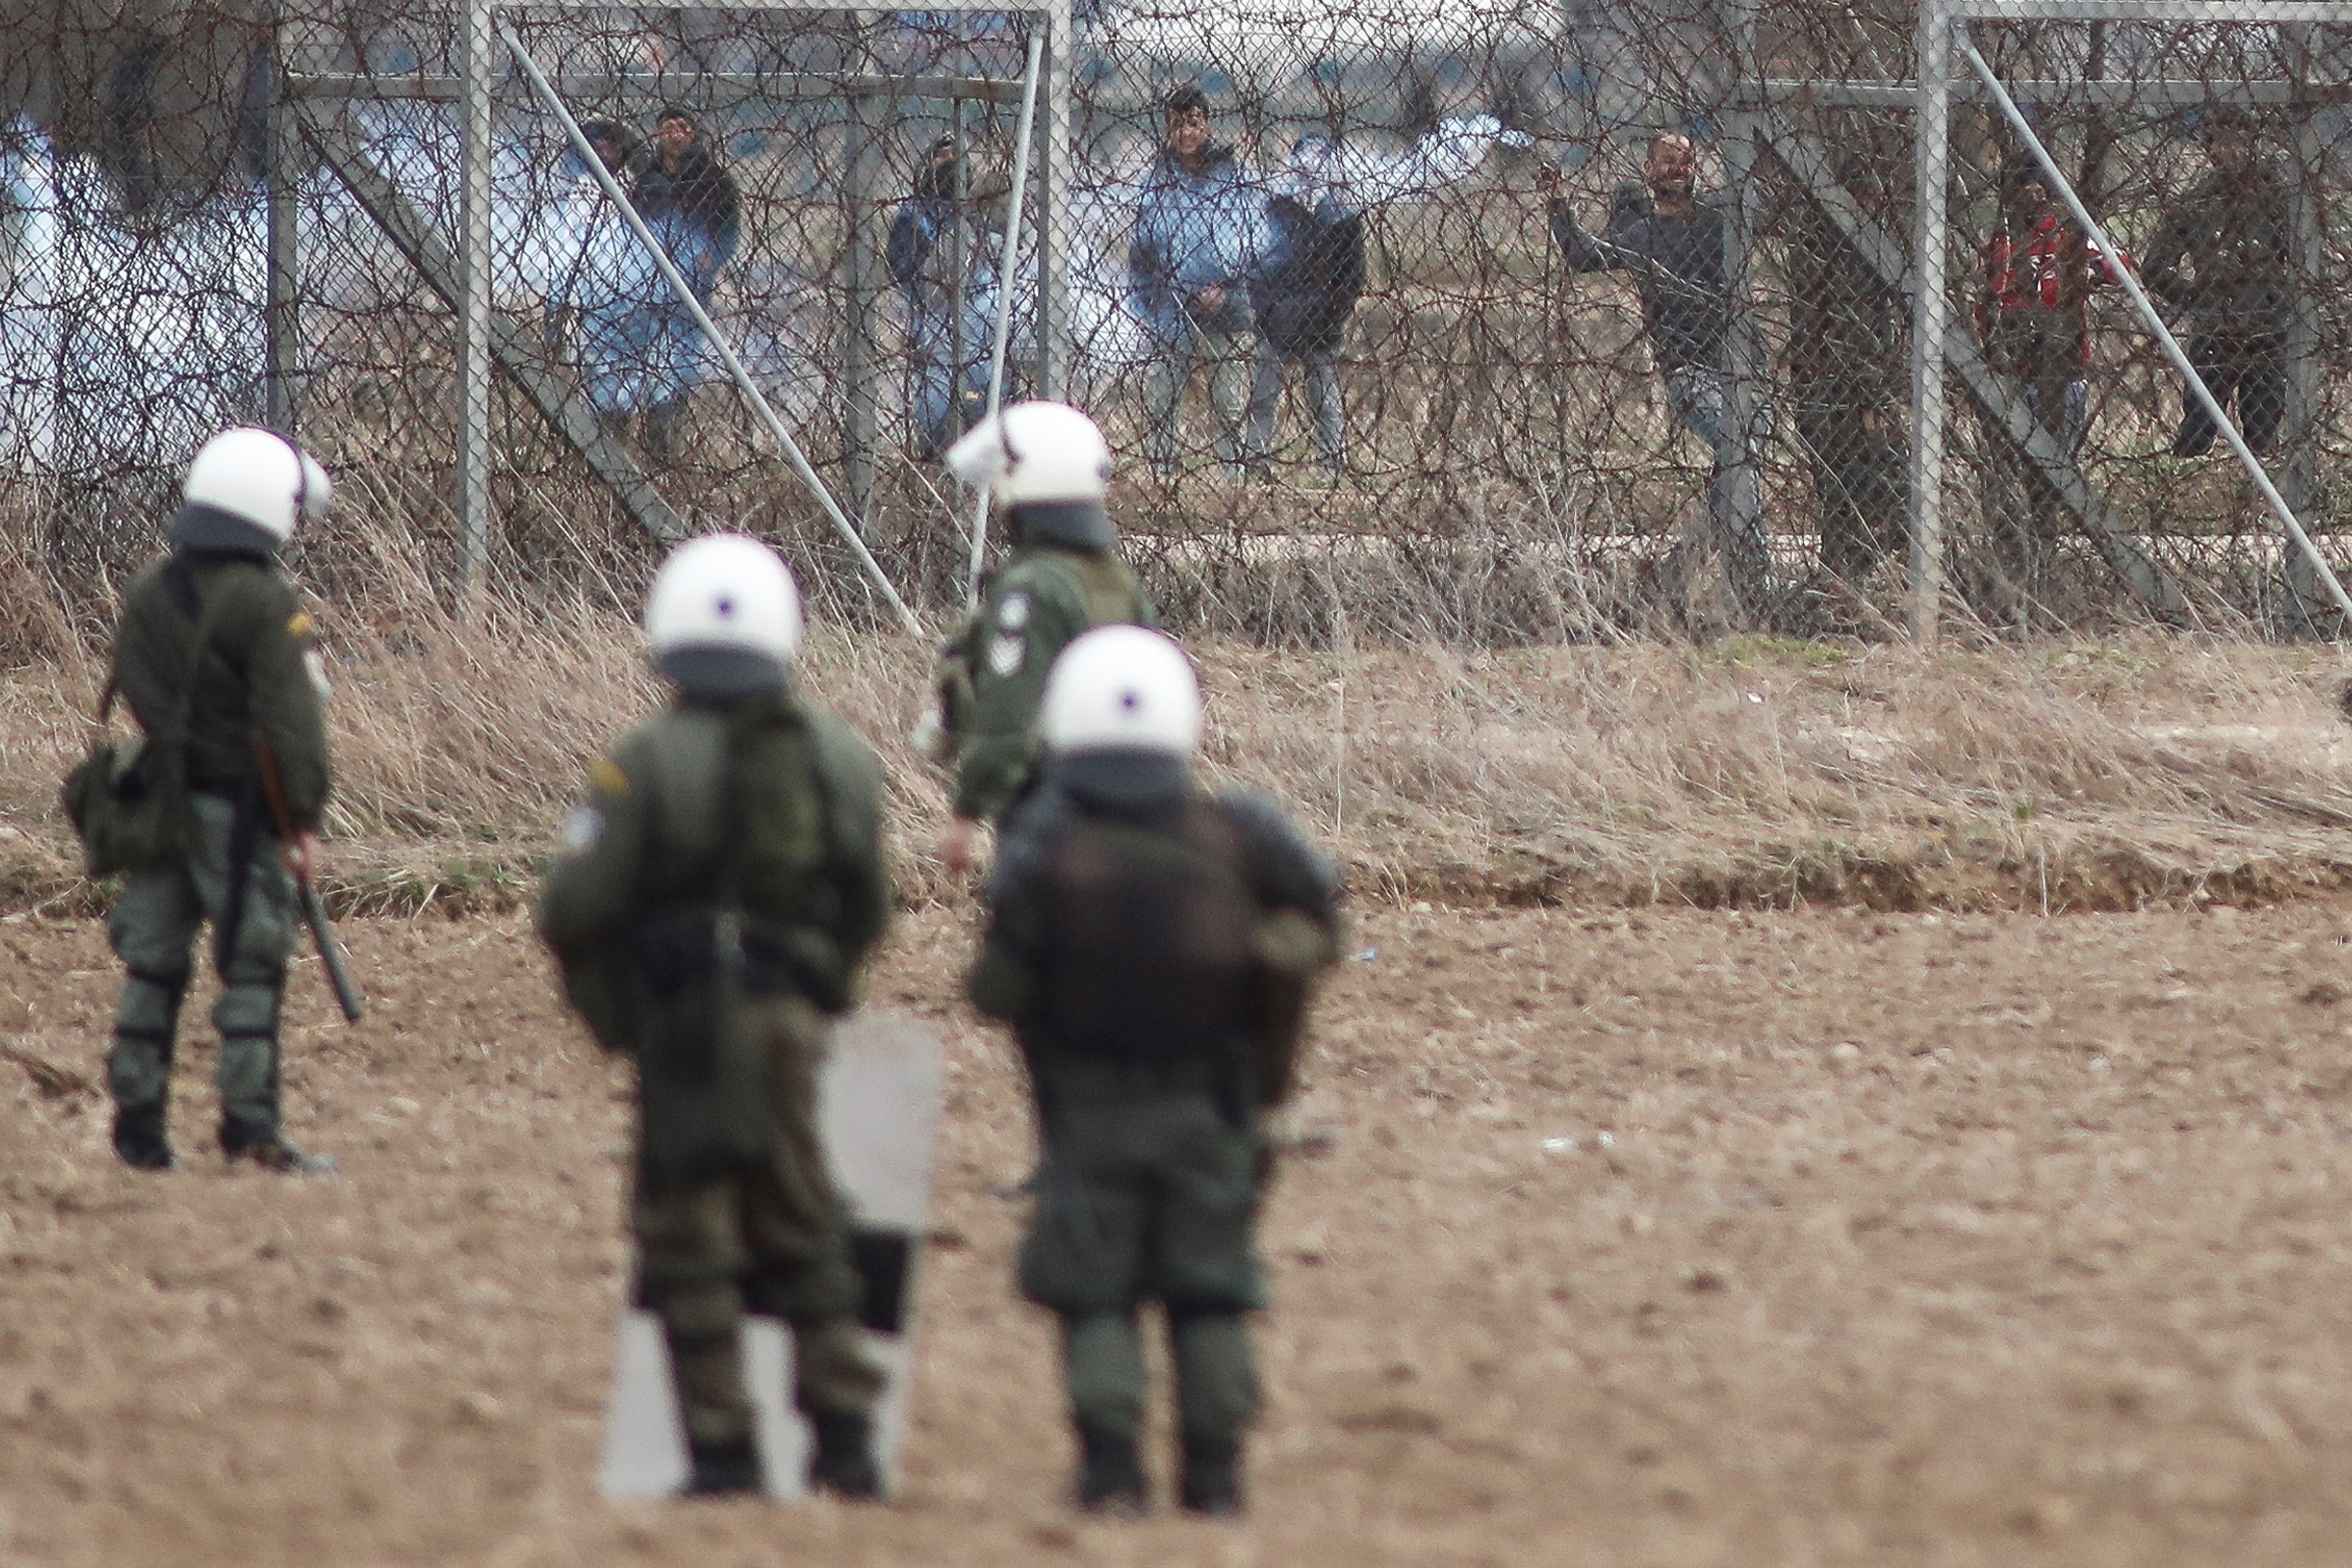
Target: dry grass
[(1748, 772)]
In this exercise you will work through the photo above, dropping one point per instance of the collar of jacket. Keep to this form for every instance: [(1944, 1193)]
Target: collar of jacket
[(207, 532), (1126, 784), (1215, 156)]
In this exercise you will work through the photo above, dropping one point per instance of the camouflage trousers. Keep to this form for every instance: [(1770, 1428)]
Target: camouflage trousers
[(770, 1239), (152, 931), (1143, 1197)]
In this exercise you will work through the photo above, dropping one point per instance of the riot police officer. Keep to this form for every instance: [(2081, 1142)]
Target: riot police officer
[(1048, 470), (714, 895), (214, 657), (1153, 945)]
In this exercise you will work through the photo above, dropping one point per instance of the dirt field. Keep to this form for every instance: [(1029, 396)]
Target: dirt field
[(1685, 1239)]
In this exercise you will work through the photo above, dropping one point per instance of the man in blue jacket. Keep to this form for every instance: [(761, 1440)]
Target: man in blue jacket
[(1198, 224)]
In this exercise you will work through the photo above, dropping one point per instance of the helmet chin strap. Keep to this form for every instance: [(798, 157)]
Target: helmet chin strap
[(301, 477)]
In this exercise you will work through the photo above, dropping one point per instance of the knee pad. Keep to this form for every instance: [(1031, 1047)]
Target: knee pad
[(148, 1006), (696, 1313), (248, 1006)]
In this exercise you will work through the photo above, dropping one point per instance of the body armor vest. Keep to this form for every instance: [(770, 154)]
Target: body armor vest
[(1152, 932)]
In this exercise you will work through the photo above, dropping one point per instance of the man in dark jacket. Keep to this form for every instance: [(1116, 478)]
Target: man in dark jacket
[(690, 204), (1199, 228), (715, 896), (1673, 245), (214, 657), (2223, 257), (1154, 947), (1311, 276)]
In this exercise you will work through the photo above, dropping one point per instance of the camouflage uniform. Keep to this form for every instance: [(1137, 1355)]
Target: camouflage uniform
[(1046, 594), (714, 895), (1142, 945), (254, 678)]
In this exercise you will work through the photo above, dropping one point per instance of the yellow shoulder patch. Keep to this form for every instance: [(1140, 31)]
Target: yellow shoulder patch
[(608, 778), (300, 626)]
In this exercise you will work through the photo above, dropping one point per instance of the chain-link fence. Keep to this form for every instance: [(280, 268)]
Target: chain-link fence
[(1482, 321)]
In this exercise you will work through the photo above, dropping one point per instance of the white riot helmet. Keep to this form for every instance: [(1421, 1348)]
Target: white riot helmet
[(248, 488), (1122, 688), (1047, 465), (724, 617)]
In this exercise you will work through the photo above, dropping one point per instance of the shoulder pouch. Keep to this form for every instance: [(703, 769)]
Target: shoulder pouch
[(127, 800)]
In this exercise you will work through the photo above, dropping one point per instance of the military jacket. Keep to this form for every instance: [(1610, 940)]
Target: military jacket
[(769, 807), (258, 673), (1045, 596), (1164, 941)]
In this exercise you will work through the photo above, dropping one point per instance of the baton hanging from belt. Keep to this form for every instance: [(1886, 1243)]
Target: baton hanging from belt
[(314, 909)]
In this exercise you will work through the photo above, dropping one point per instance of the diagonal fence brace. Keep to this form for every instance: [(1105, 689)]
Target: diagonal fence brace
[(559, 403), (1990, 390)]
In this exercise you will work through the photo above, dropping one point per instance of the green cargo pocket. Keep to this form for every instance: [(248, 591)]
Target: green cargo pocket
[(1078, 1256)]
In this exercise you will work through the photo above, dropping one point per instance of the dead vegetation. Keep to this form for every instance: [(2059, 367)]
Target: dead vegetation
[(1748, 772)]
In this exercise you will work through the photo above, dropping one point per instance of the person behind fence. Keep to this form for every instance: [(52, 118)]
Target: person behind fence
[(1846, 376), (942, 255), (1306, 287), (2035, 312), (579, 209), (214, 657), (2034, 315), (711, 902), (690, 203), (1154, 947), (1673, 245), (608, 304), (1048, 470), (1198, 237), (2222, 258)]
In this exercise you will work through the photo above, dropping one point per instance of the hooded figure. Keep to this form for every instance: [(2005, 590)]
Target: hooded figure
[(944, 253), (1305, 289)]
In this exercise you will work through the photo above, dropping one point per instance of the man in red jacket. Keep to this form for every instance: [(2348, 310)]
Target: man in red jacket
[(2034, 316)]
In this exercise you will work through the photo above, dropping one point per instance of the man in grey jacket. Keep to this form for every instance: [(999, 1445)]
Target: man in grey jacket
[(1199, 222)]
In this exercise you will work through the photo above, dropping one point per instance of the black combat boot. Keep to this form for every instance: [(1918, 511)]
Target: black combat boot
[(724, 1469), (1212, 1476), (841, 1460), (139, 1140), (1110, 1476)]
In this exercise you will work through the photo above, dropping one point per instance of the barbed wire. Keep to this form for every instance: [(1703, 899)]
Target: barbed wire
[(1397, 300)]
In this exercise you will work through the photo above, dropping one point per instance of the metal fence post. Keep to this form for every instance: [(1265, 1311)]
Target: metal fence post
[(1931, 314), (474, 326), (280, 324), (1055, 167), (1743, 504), (861, 347), (2305, 601)]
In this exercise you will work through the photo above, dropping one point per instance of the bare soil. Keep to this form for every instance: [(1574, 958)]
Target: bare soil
[(1681, 1239)]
